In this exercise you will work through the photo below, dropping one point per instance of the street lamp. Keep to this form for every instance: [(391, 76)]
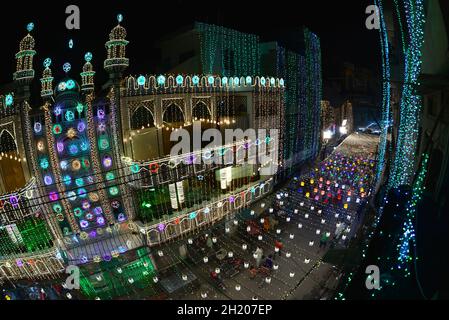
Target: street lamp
[(327, 135)]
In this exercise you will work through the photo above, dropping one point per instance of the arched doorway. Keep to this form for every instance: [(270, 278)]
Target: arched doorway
[(172, 118), (143, 126), (11, 169)]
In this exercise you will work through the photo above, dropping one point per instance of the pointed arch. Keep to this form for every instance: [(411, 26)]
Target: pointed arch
[(200, 111), (173, 114), (142, 117), (6, 141)]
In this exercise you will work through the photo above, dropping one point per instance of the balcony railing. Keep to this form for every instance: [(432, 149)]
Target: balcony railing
[(20, 205), (36, 266), (189, 221)]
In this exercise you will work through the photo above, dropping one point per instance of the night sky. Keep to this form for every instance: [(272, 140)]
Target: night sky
[(339, 24)]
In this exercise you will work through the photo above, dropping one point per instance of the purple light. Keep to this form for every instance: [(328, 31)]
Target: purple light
[(107, 161), (161, 227), (60, 147), (81, 126), (13, 200), (107, 257), (53, 196), (19, 263), (231, 199), (121, 217), (93, 234), (98, 210), (100, 114), (100, 220), (190, 159), (48, 180), (84, 224), (86, 205)]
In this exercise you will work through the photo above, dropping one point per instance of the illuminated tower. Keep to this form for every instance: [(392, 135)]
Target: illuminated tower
[(116, 61), (47, 80), (88, 74), (24, 62)]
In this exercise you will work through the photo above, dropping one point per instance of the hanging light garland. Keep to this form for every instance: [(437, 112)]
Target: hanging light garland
[(386, 89), (403, 164)]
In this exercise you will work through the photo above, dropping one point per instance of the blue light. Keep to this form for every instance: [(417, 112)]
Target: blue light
[(79, 182), (192, 215), (179, 80), (210, 80), (47, 62), (70, 84), (67, 67), (88, 57), (9, 100), (236, 81), (224, 81), (69, 116), (37, 127), (195, 80), (161, 80), (73, 149), (30, 26), (44, 163), (141, 81), (67, 180), (82, 193), (249, 81)]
